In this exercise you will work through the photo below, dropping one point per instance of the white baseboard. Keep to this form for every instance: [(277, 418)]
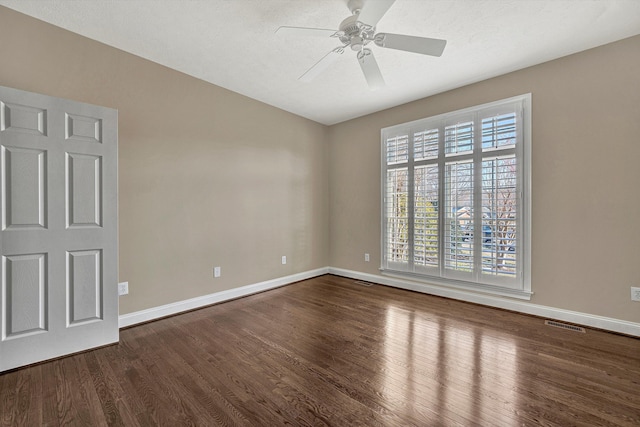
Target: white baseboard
[(130, 319), (601, 322)]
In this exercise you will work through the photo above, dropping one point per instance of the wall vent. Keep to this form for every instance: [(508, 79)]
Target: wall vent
[(564, 326), (363, 283)]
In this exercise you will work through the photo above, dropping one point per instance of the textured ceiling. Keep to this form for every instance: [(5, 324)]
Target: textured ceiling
[(231, 43)]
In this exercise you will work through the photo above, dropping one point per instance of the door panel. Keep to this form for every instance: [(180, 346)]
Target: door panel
[(23, 118), (85, 286), (23, 201), (58, 238), (25, 286), (81, 128), (84, 190)]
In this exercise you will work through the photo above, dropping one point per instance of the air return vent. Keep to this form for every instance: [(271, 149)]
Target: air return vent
[(363, 283), (564, 326)]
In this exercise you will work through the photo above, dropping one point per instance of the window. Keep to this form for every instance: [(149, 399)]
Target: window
[(455, 203)]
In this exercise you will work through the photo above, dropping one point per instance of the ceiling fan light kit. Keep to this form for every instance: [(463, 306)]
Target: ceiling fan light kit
[(356, 32)]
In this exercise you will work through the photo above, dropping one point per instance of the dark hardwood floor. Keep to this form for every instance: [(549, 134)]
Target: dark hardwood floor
[(328, 351)]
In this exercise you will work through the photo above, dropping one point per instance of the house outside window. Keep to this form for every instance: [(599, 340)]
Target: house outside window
[(456, 198)]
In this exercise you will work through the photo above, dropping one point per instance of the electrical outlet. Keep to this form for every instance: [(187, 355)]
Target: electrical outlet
[(635, 294), (284, 259), (366, 257), (216, 272), (123, 288)]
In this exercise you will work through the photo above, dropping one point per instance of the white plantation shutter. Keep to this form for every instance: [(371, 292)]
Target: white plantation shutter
[(426, 218), (425, 144), (500, 217), (397, 216), (459, 223), (458, 138), (397, 149), (455, 198)]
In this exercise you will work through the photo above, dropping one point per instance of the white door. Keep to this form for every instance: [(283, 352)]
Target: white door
[(58, 237)]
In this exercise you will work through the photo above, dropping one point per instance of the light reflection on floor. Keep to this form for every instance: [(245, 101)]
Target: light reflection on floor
[(446, 366)]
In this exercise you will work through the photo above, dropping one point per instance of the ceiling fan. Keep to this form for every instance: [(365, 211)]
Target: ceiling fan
[(356, 32)]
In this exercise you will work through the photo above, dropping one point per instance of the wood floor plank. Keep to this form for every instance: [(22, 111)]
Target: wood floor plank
[(178, 379), (330, 352), (106, 399), (9, 411)]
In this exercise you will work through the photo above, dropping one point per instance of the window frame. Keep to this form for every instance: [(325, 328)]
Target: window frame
[(520, 287)]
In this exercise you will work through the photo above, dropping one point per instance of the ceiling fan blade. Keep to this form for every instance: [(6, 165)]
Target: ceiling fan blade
[(306, 32), (423, 45), (322, 65), (373, 11), (370, 69)]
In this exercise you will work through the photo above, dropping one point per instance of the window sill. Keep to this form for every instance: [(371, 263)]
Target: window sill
[(460, 285)]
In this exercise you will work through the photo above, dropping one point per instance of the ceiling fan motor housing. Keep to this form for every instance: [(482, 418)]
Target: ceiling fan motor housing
[(355, 33)]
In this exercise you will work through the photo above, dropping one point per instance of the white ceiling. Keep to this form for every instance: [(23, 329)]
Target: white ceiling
[(231, 43)]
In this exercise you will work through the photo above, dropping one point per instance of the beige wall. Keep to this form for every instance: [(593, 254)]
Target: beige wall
[(206, 176), (585, 177)]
